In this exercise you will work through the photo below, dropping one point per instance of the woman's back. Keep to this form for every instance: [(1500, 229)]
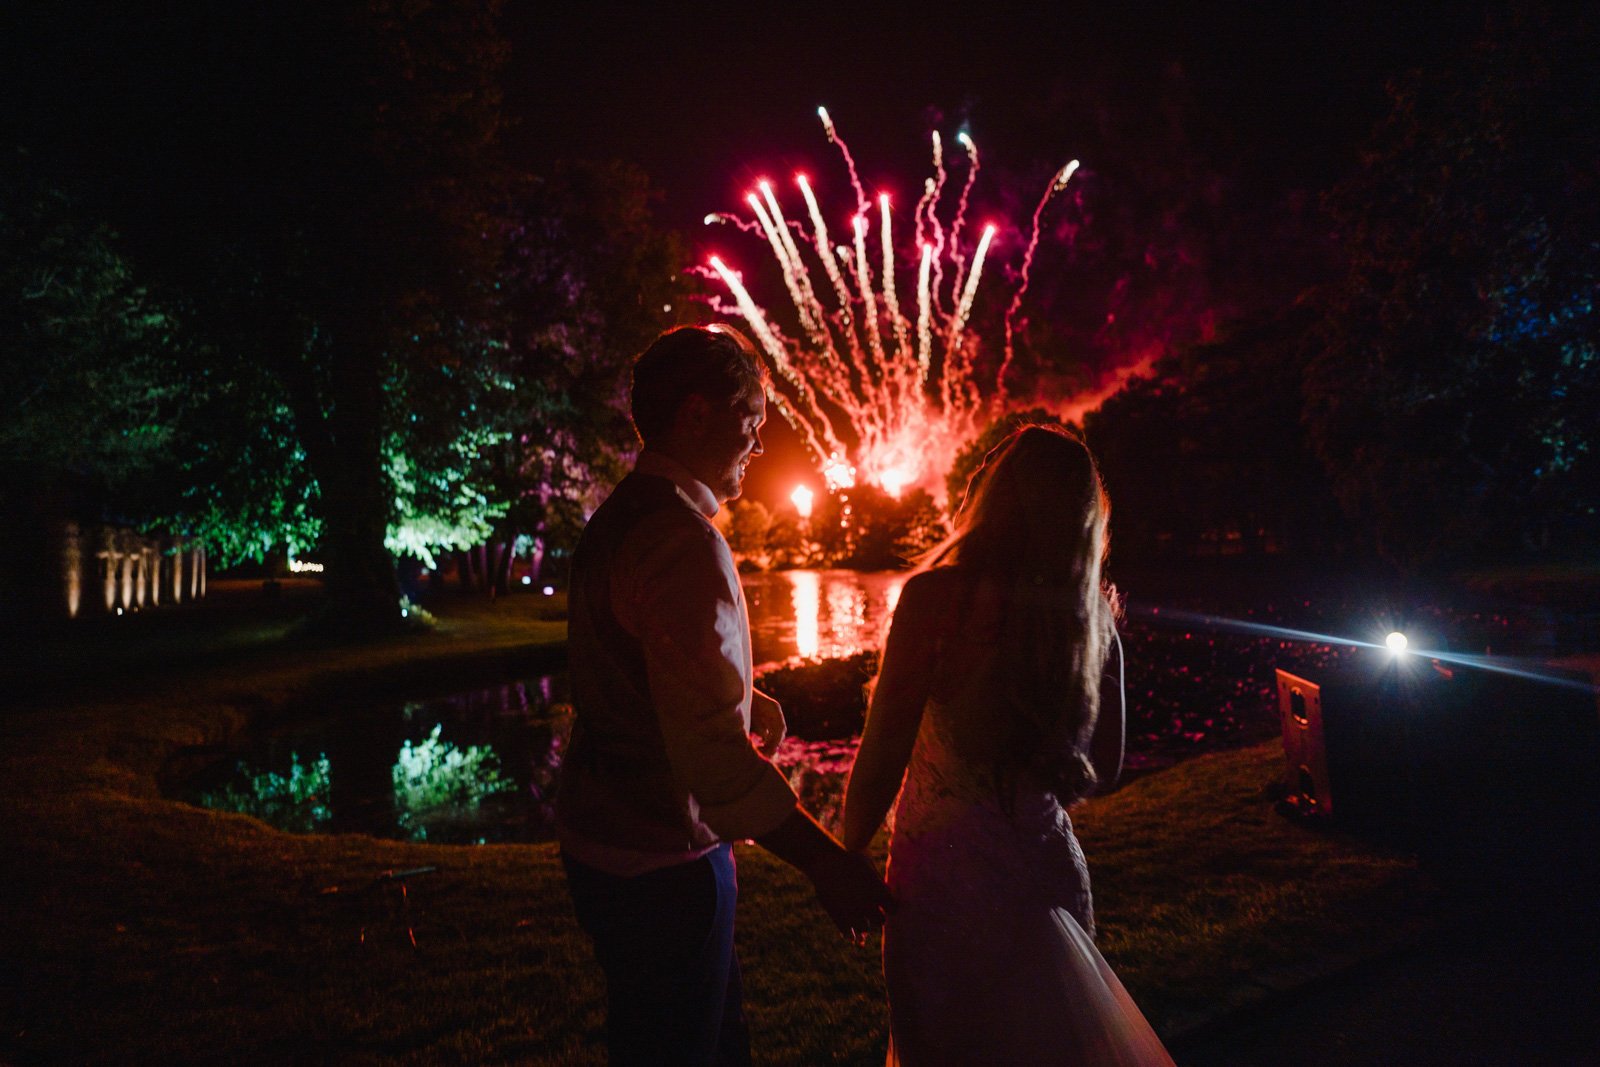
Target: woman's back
[(952, 835)]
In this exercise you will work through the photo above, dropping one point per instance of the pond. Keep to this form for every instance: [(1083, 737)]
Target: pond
[(481, 765)]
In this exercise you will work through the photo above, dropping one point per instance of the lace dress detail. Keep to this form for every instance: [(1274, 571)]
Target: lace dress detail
[(989, 956), (952, 842)]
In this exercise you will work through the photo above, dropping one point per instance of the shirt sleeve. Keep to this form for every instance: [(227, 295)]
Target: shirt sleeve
[(681, 599)]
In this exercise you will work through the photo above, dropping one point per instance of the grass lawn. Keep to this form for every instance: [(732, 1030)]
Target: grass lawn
[(137, 928)]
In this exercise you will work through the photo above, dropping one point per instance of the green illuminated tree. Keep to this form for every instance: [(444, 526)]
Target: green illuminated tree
[(310, 182)]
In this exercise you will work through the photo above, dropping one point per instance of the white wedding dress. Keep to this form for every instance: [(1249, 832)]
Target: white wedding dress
[(989, 956)]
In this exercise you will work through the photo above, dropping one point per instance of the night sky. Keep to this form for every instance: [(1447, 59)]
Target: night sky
[(709, 99)]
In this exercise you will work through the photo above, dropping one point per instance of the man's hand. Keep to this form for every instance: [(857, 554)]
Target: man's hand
[(851, 892), (847, 883), (766, 723)]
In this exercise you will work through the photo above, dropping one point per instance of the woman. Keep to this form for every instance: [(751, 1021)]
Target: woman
[(988, 706)]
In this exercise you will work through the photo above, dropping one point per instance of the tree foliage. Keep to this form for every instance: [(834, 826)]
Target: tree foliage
[(1454, 376), (1206, 452), (306, 180), (86, 387)]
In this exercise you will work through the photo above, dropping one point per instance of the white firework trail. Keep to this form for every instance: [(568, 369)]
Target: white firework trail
[(868, 403)]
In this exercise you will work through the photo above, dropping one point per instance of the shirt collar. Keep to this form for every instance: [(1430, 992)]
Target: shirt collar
[(696, 492)]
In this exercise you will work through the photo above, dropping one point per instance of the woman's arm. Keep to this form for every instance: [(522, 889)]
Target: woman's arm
[(1111, 729), (896, 711)]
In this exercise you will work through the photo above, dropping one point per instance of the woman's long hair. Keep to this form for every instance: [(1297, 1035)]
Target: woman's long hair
[(1034, 524)]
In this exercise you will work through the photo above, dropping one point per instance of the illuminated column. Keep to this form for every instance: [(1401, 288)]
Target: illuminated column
[(125, 568), (152, 570), (176, 553), (72, 568), (108, 554), (140, 559), (197, 571)]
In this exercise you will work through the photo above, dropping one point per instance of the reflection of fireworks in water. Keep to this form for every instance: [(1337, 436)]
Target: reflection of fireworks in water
[(907, 391)]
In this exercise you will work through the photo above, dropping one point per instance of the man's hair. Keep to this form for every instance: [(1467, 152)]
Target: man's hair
[(716, 362)]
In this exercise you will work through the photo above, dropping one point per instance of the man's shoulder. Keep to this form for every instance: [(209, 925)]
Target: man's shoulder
[(679, 523)]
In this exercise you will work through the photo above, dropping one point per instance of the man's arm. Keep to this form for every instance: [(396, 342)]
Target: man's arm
[(847, 883), (687, 611), (767, 723), (680, 596)]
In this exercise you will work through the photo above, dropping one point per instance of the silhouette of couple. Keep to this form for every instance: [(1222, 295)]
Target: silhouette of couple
[(998, 704)]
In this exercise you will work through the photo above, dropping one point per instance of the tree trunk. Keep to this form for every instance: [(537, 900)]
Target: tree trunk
[(343, 435), (502, 572)]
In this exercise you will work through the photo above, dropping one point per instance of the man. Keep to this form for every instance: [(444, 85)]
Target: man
[(661, 774)]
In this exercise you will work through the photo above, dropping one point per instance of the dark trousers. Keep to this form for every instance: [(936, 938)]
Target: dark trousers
[(665, 942)]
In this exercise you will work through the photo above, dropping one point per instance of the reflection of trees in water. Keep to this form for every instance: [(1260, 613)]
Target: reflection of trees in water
[(435, 780), (297, 801)]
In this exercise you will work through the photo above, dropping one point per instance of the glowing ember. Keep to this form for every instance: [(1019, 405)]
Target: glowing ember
[(872, 393), (838, 473), (801, 498)]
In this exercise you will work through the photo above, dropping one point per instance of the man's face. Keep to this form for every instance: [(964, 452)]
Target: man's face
[(731, 439)]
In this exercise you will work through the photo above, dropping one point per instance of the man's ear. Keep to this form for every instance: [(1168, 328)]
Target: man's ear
[(694, 414)]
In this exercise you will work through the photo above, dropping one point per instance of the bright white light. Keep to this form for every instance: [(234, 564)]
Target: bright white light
[(802, 498), (893, 481), (527, 579), (549, 590), (1396, 642)]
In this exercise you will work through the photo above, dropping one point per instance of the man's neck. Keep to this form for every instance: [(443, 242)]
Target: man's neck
[(661, 464)]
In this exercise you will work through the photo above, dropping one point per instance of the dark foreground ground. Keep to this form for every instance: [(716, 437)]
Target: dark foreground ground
[(1518, 984)]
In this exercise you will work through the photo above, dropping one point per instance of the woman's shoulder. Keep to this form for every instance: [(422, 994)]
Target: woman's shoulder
[(947, 601), (935, 586)]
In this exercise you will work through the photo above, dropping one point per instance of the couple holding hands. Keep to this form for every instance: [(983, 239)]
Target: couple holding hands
[(998, 704)]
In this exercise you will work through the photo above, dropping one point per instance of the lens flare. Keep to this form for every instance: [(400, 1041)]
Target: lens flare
[(874, 394)]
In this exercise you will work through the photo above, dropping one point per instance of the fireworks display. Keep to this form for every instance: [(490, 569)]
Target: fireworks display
[(877, 396)]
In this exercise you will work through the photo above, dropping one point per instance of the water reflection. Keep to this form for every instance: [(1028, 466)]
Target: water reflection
[(297, 801), (471, 767), (482, 765), (819, 614), (807, 599), (436, 782)]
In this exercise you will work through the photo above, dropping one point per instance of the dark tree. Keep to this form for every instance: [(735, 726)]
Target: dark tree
[(86, 382), (1206, 453), (585, 282), (1455, 376)]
